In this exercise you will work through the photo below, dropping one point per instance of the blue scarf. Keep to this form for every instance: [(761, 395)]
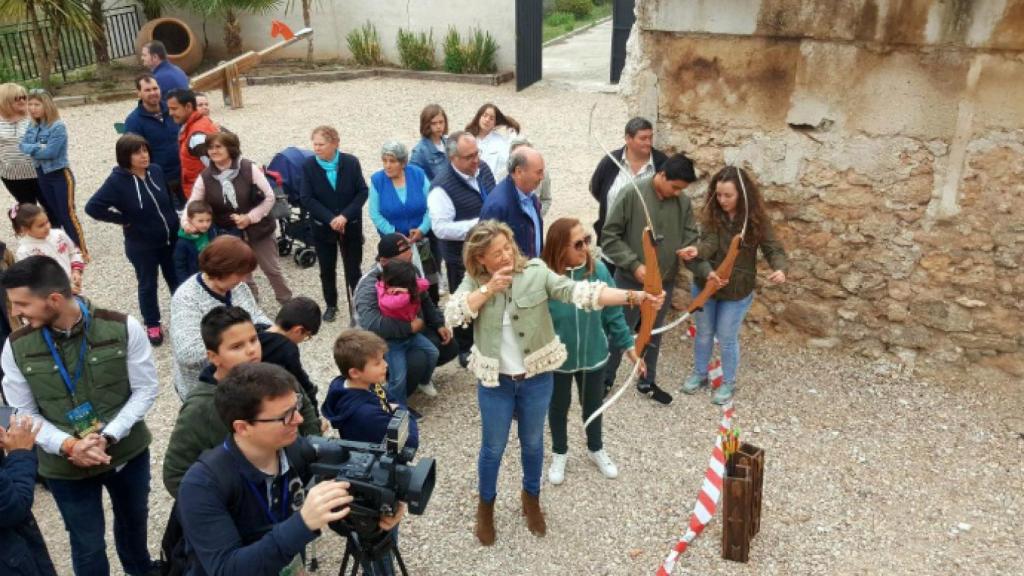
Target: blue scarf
[(330, 169)]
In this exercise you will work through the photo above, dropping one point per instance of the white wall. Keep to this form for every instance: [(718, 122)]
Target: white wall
[(333, 19)]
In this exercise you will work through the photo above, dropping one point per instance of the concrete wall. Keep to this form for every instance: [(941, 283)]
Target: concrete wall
[(333, 19), (888, 136)]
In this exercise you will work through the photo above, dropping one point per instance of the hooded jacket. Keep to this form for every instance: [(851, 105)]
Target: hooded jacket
[(142, 206), (22, 548), (358, 415), (199, 427)]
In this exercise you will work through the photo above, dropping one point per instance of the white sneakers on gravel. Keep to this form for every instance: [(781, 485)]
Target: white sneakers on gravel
[(604, 464), (556, 472), (429, 389)]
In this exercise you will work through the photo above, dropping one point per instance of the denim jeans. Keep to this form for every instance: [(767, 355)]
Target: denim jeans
[(529, 400), (398, 372), (81, 505), (721, 318)]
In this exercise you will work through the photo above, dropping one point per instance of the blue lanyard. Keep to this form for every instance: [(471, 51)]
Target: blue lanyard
[(70, 384), (274, 519)]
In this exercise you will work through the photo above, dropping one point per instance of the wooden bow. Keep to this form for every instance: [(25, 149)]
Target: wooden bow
[(652, 280)]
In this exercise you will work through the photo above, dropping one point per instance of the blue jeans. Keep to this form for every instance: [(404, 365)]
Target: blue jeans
[(81, 505), (398, 371), (721, 318), (529, 400)]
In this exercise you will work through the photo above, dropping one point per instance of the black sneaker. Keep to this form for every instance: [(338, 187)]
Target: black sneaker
[(330, 313), (415, 414), (464, 359), (657, 394)]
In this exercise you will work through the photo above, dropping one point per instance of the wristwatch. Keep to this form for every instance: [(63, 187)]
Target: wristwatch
[(110, 440), (484, 290)]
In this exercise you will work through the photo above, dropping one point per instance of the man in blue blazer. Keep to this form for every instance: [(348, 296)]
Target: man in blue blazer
[(514, 201)]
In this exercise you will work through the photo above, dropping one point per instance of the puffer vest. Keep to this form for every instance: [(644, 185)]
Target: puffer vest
[(222, 212), (466, 201), (104, 384)]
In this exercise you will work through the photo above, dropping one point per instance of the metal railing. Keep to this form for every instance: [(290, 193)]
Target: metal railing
[(17, 50)]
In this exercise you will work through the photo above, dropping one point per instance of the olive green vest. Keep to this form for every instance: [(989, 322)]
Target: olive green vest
[(104, 383)]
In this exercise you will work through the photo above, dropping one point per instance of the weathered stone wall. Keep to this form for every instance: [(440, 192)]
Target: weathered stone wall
[(888, 138)]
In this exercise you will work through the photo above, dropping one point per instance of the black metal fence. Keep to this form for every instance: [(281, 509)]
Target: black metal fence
[(17, 51)]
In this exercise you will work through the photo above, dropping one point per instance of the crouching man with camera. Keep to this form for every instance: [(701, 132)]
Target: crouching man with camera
[(244, 507)]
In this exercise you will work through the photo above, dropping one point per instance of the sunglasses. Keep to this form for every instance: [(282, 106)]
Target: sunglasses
[(20, 98), (286, 419), (36, 91), (579, 244)]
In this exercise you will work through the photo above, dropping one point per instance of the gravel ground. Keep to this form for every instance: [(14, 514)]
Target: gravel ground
[(923, 474)]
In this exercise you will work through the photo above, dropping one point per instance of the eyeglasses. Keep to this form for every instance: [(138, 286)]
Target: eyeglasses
[(286, 419), (579, 244)]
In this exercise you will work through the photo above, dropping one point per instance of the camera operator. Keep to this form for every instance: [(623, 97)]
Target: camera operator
[(243, 505)]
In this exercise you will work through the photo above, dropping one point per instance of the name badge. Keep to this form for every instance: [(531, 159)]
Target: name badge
[(84, 420)]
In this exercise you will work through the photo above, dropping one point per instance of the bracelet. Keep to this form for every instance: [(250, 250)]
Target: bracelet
[(630, 298), (68, 446)]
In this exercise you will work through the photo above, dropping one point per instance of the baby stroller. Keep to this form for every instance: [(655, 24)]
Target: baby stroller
[(294, 222)]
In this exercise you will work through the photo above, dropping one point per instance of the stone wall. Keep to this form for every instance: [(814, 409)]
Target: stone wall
[(334, 19), (888, 138)]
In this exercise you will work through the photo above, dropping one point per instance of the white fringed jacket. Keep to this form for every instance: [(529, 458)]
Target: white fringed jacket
[(531, 318)]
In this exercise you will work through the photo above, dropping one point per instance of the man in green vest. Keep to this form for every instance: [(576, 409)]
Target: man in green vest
[(87, 377)]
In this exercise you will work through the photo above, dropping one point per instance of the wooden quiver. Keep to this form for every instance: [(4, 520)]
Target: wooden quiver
[(741, 501)]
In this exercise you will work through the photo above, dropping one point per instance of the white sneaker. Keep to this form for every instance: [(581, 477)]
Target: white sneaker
[(604, 464), (429, 389), (556, 472)]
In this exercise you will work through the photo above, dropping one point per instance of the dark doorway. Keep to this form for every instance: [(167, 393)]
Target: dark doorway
[(529, 41), (622, 23)]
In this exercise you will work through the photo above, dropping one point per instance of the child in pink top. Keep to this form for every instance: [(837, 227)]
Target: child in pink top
[(37, 238)]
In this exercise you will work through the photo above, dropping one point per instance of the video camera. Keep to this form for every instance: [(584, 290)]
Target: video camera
[(379, 475)]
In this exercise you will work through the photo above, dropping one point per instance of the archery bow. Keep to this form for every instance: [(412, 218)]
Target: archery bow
[(652, 279)]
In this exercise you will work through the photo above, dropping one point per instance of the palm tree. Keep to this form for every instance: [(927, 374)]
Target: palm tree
[(47, 19), (99, 41), (228, 10), (307, 22)]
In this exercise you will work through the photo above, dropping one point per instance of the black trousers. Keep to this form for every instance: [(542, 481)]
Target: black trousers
[(27, 191), (327, 249)]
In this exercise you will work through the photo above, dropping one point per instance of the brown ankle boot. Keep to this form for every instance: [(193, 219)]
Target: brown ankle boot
[(485, 522), (534, 515)]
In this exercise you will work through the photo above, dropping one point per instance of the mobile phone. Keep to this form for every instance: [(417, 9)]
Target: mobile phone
[(6, 412)]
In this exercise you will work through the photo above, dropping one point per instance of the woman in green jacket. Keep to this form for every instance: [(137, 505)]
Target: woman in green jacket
[(725, 212), (515, 349), (586, 336)]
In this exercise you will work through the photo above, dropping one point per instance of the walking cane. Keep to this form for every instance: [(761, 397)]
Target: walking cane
[(344, 277)]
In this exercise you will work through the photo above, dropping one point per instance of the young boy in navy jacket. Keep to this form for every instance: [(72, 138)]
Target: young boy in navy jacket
[(186, 252), (357, 404)]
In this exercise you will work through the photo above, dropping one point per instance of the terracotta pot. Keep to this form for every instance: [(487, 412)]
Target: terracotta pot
[(183, 48)]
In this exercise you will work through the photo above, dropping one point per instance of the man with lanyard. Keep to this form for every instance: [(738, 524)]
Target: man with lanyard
[(243, 506), (454, 204), (638, 156), (151, 120), (514, 201), (87, 376)]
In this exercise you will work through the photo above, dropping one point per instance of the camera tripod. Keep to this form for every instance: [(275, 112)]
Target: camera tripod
[(373, 552)]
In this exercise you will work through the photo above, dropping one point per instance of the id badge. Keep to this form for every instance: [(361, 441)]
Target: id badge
[(294, 568), (84, 420)]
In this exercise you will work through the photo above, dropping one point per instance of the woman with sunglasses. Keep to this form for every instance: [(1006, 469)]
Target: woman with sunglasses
[(17, 171), (515, 349), (586, 335), (46, 141)]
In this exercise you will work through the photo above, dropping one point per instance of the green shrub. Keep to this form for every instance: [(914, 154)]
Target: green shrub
[(481, 53), (563, 20), (454, 59), (416, 51), (364, 43), (578, 8)]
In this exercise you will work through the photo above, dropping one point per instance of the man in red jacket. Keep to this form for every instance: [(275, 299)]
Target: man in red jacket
[(195, 127)]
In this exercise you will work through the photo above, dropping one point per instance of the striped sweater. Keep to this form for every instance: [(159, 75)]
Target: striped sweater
[(14, 165)]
